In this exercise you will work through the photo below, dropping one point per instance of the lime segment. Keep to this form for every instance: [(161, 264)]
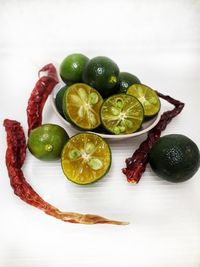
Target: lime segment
[(86, 158), (147, 97), (81, 105), (122, 114)]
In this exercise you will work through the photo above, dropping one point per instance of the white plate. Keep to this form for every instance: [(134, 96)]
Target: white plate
[(146, 126)]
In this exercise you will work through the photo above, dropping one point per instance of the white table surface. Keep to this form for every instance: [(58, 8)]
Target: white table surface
[(159, 41)]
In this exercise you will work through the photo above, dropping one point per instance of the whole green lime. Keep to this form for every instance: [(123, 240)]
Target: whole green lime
[(47, 141), (175, 158), (71, 68), (126, 79), (102, 73)]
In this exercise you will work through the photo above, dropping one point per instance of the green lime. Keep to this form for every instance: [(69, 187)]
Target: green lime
[(81, 105), (122, 114), (175, 158), (147, 97), (125, 80), (71, 68), (102, 73), (46, 142), (86, 158), (59, 98)]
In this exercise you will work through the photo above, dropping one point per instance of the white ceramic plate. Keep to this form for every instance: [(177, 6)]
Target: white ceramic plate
[(146, 126)]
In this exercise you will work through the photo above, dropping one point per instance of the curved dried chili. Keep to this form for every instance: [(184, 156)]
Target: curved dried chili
[(136, 164), (42, 89), (15, 155)]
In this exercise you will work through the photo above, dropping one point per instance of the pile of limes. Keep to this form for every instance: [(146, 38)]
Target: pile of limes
[(95, 93), (98, 94)]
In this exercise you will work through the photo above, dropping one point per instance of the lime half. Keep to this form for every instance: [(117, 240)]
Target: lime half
[(86, 158), (122, 114), (81, 105), (147, 97)]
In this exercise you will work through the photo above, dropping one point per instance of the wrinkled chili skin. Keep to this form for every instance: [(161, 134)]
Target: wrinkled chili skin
[(41, 91), (16, 153), (15, 156), (16, 150), (136, 164)]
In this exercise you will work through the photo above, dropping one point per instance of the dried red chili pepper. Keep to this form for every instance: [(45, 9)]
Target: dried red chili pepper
[(42, 89), (15, 155), (136, 165)]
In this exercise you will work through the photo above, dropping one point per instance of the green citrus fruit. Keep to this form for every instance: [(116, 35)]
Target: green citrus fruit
[(81, 105), (71, 68), (102, 73), (122, 114), (125, 80), (86, 158), (59, 98), (175, 158), (147, 97), (46, 142)]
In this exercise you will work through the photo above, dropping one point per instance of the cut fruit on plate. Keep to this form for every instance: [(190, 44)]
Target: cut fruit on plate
[(122, 114), (85, 158), (81, 105), (147, 97), (146, 126)]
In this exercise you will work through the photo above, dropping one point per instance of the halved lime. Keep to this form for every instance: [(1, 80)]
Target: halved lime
[(147, 97), (122, 114), (86, 158), (81, 105)]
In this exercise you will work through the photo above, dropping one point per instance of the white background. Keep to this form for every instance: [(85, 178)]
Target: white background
[(159, 41)]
